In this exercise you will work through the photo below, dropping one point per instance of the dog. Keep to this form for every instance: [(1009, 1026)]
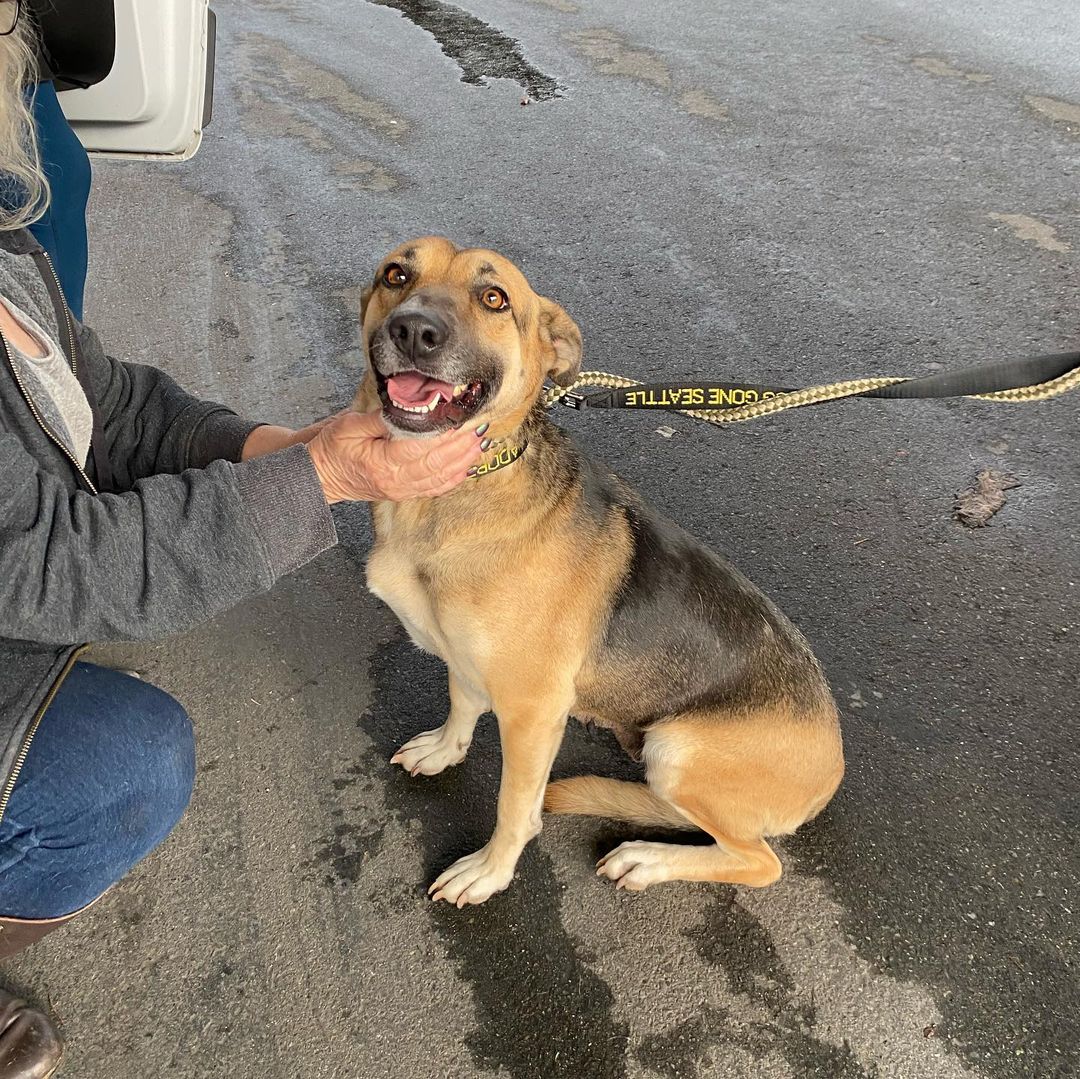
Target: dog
[(698, 674)]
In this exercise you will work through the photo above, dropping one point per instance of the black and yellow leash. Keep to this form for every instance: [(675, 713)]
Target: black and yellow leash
[(1033, 378)]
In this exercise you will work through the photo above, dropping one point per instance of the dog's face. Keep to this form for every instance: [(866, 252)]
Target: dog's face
[(456, 335)]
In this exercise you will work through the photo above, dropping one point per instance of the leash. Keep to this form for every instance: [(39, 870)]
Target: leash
[(1033, 378)]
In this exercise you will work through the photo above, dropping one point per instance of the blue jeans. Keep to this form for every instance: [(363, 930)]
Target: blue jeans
[(108, 775)]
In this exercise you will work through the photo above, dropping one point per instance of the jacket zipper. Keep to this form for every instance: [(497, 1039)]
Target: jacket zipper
[(59, 443), (24, 749), (67, 317)]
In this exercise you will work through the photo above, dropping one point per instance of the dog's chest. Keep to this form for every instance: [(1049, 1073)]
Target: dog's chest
[(402, 584), (413, 572)]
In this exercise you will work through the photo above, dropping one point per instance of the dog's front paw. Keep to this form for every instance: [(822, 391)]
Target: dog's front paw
[(636, 864), (472, 879), (430, 753)]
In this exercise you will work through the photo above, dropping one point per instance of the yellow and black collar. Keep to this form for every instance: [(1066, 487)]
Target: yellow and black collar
[(500, 456)]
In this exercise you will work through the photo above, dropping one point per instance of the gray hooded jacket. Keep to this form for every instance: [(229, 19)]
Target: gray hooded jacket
[(162, 529)]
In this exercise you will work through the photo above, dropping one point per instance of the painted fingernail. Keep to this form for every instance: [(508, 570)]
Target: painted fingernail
[(486, 444), (471, 473), (482, 429)]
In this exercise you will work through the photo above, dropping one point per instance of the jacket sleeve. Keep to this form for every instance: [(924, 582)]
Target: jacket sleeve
[(170, 553), (153, 426)]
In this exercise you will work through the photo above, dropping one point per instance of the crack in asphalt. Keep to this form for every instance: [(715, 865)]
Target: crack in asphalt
[(481, 51)]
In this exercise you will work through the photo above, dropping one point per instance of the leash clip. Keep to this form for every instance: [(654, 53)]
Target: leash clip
[(572, 399)]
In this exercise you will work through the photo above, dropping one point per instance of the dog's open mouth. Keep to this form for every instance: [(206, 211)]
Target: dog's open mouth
[(417, 402)]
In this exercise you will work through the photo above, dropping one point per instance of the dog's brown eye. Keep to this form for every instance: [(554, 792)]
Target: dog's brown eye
[(495, 299), (394, 276)]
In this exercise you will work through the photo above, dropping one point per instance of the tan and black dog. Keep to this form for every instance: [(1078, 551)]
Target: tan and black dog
[(658, 638)]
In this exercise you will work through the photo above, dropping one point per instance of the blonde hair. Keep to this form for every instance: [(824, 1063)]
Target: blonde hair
[(20, 163)]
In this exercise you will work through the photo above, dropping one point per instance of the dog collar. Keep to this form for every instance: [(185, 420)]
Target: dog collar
[(502, 457)]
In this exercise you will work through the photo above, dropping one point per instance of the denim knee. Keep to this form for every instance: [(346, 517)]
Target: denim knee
[(155, 786), (108, 775)]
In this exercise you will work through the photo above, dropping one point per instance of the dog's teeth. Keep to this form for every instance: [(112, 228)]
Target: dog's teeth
[(421, 409), (460, 389)]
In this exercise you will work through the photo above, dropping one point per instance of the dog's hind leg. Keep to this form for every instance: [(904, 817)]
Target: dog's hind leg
[(636, 864), (431, 752), (739, 780)]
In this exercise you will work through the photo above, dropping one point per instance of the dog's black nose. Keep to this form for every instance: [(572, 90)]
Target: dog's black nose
[(417, 334)]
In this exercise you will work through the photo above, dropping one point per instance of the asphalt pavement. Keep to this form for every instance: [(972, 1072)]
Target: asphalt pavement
[(765, 190)]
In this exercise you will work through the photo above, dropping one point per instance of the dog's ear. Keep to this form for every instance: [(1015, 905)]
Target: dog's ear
[(365, 298), (562, 340)]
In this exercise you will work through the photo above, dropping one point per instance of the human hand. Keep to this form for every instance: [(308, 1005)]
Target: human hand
[(357, 461), (269, 438)]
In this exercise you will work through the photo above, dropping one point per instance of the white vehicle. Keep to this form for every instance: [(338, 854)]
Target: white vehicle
[(158, 95)]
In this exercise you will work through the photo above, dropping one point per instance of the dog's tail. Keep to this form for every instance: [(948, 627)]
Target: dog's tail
[(594, 796)]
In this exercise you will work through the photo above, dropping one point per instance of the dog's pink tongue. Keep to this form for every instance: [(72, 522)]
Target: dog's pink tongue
[(413, 388)]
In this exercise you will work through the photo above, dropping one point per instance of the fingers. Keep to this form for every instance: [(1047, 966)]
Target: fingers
[(452, 449), (419, 449), (429, 467), (363, 425), (365, 463), (441, 486), (419, 478)]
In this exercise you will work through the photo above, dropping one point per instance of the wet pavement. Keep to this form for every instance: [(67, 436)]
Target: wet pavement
[(794, 193)]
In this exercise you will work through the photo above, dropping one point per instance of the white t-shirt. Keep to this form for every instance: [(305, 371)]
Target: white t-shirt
[(53, 386)]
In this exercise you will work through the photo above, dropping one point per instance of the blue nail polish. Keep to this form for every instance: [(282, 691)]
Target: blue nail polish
[(482, 429)]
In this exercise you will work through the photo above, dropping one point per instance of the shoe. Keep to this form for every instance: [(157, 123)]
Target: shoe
[(19, 933), (30, 1047)]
